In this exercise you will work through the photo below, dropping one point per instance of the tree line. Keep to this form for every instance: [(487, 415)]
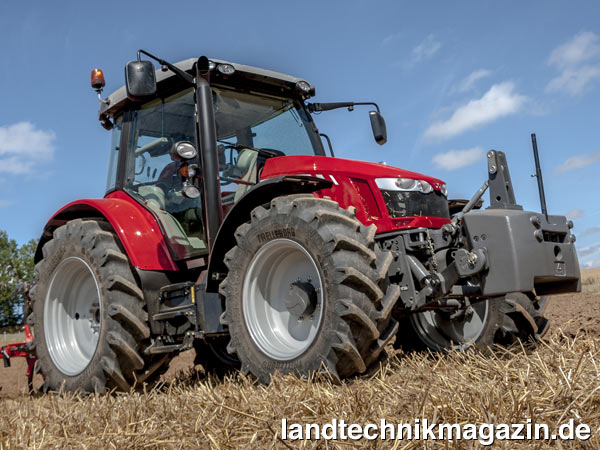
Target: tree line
[(16, 267)]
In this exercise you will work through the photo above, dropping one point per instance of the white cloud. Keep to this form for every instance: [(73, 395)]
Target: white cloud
[(392, 37), (587, 251), (591, 230), (469, 82), (455, 159), (22, 146), (499, 101), (580, 48), (593, 252), (577, 62), (574, 80), (578, 162), (591, 264), (575, 214), (425, 50)]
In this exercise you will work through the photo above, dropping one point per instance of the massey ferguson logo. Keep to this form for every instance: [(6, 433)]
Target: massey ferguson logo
[(276, 234)]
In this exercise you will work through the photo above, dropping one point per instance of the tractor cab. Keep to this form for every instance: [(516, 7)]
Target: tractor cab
[(257, 115)]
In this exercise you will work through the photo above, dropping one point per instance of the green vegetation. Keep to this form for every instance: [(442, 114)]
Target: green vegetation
[(16, 266)]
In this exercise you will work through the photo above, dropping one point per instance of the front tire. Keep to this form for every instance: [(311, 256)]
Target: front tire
[(306, 291), (91, 326), (497, 321)]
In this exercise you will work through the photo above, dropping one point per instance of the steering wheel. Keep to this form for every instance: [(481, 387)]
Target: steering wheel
[(229, 171), (231, 174), (140, 164)]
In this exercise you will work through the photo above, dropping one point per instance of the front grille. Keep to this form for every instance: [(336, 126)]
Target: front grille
[(411, 203)]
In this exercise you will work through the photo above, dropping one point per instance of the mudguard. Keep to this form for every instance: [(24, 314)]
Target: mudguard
[(135, 226)]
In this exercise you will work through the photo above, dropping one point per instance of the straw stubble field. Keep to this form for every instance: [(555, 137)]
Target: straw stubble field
[(557, 381)]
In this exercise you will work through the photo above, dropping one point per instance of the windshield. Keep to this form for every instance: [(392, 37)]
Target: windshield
[(264, 122), (245, 123)]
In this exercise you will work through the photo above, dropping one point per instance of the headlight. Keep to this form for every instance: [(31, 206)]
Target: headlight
[(226, 69), (185, 150), (404, 184), (426, 188)]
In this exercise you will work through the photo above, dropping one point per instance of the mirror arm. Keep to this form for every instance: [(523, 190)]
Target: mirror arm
[(180, 73), (372, 104), (318, 107)]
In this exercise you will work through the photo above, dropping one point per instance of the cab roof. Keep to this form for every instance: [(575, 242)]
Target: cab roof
[(251, 77)]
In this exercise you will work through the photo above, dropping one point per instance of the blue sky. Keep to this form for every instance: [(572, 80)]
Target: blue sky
[(453, 80)]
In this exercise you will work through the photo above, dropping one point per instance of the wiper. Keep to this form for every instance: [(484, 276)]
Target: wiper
[(268, 152)]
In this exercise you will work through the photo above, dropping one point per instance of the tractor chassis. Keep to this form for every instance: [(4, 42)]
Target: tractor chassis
[(481, 254)]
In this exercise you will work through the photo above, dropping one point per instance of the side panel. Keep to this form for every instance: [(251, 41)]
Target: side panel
[(136, 227)]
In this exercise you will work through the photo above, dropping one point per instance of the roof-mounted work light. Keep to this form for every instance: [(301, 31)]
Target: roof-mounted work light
[(226, 69), (306, 88)]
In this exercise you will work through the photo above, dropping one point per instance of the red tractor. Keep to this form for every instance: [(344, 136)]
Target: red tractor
[(227, 227)]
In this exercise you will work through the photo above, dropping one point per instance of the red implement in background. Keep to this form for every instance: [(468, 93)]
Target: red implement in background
[(21, 350)]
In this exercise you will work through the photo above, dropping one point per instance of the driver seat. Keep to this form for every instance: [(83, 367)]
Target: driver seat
[(246, 164), (154, 195)]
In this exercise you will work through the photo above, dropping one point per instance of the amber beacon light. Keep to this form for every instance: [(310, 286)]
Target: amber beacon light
[(98, 79)]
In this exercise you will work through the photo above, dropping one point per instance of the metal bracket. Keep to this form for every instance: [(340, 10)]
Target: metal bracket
[(469, 263), (158, 347), (502, 195), (6, 358)]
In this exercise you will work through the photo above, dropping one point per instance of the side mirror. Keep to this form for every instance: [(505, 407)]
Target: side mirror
[(140, 80), (378, 126)]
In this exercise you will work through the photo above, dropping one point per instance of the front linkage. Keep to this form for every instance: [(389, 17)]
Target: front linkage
[(484, 254)]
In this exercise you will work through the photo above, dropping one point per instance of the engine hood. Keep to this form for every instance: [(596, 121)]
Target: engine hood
[(321, 165)]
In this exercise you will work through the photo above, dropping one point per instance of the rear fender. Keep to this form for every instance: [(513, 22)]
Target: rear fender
[(137, 229), (260, 194)]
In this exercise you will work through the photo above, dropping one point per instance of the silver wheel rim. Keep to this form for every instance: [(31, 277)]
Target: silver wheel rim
[(440, 332), (72, 316), (279, 331)]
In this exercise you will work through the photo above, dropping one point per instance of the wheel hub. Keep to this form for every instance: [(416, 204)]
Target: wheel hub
[(301, 300)]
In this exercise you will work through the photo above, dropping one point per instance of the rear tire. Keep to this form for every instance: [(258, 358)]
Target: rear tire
[(501, 321), (306, 291), (91, 326)]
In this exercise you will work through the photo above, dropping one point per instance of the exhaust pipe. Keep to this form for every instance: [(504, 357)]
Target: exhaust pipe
[(207, 141)]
